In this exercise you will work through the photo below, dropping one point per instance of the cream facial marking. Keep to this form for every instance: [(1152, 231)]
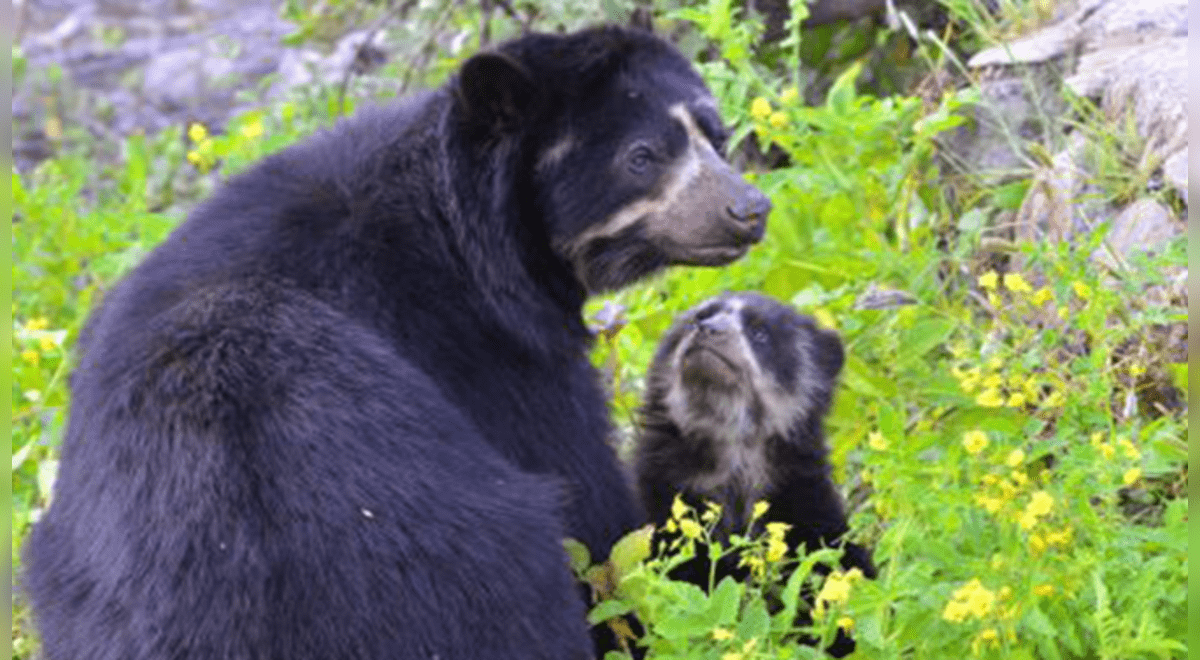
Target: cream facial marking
[(556, 153), (730, 419), (678, 179)]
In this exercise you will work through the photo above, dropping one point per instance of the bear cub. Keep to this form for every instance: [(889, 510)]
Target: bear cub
[(736, 397)]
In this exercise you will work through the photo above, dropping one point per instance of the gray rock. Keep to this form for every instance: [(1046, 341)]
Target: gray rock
[(1175, 171), (1143, 226), (1012, 111), (1095, 25), (1149, 79)]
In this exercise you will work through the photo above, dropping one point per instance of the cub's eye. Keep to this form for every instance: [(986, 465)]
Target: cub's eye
[(707, 312), (640, 159), (757, 333)]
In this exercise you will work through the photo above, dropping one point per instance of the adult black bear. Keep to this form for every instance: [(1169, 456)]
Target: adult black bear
[(346, 410), (735, 403)]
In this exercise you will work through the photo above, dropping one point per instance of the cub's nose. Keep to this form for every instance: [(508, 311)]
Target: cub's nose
[(715, 324)]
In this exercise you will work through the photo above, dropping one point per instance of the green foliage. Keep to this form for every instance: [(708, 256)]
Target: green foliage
[(1019, 508)]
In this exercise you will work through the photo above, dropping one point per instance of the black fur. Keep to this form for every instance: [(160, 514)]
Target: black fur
[(793, 353), (346, 410)]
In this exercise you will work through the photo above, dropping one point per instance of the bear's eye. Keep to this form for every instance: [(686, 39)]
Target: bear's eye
[(640, 159), (757, 332)]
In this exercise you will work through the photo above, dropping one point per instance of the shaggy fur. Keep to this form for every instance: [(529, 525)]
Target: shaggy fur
[(346, 410)]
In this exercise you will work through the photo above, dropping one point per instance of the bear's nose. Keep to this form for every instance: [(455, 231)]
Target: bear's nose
[(751, 207), (715, 324)]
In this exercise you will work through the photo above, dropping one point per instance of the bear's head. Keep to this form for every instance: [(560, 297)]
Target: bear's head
[(620, 144)]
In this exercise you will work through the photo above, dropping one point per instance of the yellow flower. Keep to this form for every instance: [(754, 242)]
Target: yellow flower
[(955, 612), (981, 601), (1037, 544), (1055, 399), (1040, 503), (789, 96), (47, 343), (760, 508), (1016, 400), (836, 589), (1043, 590), (32, 357), (824, 318), (197, 132), (1043, 296), (777, 530), (1059, 539), (755, 563), (776, 549), (846, 623), (194, 158), (253, 129), (1019, 478), (732, 656), (760, 108), (990, 398), (971, 599), (1131, 476), (991, 504), (994, 381), (712, 512), (39, 323), (988, 280), (975, 442), (721, 634), (988, 635), (1027, 520), (969, 379), (1128, 448), (1082, 290), (777, 120), (678, 508), (1108, 451), (876, 441), (1015, 458), (1017, 284), (690, 528)]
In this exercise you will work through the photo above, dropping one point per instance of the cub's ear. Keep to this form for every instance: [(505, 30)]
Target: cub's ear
[(496, 91), (829, 354)]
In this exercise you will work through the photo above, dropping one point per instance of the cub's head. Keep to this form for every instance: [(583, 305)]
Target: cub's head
[(622, 153), (742, 368)]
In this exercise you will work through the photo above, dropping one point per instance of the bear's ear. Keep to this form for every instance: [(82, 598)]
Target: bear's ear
[(829, 354), (496, 90)]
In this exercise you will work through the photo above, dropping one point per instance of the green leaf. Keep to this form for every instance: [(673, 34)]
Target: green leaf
[(923, 337), (755, 620), (578, 555), (725, 600), (842, 94), (607, 610), (630, 551)]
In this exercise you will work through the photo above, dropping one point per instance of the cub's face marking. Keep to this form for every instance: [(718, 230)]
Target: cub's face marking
[(692, 208), (739, 372)]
